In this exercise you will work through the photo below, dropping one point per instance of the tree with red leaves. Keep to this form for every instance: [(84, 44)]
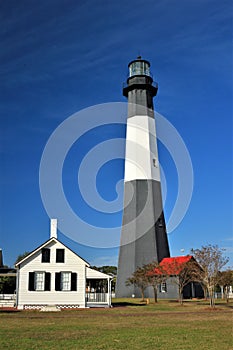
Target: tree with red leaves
[(156, 275), (139, 279)]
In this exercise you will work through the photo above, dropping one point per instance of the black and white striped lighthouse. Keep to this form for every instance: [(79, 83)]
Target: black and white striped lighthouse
[(143, 235)]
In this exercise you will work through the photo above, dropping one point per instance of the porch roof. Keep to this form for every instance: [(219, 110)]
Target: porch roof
[(91, 273)]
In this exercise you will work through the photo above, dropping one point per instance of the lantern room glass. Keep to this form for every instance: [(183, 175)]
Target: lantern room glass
[(139, 68)]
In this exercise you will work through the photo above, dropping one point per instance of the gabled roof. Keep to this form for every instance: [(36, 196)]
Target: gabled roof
[(53, 239), (173, 266)]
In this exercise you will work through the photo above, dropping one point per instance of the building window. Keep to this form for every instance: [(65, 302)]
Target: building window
[(45, 255), (155, 162), (160, 222), (39, 281), (163, 287), (66, 281), (60, 255)]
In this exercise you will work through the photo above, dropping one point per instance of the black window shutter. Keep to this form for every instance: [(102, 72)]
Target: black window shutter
[(58, 281), (31, 281), (74, 281), (47, 281), (48, 255)]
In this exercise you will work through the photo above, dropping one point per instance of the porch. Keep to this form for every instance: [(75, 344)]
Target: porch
[(98, 289)]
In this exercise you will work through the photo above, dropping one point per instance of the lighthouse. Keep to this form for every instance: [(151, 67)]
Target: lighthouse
[(143, 234)]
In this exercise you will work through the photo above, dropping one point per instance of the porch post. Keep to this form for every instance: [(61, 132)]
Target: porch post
[(17, 288), (222, 292), (109, 291), (193, 295)]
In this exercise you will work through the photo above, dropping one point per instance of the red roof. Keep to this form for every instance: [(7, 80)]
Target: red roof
[(173, 266)]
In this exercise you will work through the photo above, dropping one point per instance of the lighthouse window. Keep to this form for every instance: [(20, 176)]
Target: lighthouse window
[(160, 222), (155, 162), (139, 68), (146, 69), (136, 68)]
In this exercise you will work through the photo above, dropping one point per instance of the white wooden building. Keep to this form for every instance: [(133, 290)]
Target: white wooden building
[(53, 275)]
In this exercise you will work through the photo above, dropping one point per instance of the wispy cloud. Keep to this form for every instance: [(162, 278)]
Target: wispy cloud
[(111, 260), (228, 250), (228, 239), (82, 37)]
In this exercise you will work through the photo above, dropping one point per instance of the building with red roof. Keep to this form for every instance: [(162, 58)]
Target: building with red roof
[(173, 268)]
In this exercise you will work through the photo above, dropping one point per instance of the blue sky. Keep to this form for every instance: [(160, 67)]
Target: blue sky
[(59, 57)]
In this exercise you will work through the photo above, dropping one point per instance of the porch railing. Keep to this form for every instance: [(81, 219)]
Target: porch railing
[(7, 296), (7, 300), (93, 297)]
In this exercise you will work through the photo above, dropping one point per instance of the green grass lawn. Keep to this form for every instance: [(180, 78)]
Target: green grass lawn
[(129, 325)]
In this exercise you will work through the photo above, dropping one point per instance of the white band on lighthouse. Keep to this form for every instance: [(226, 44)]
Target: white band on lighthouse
[(141, 156)]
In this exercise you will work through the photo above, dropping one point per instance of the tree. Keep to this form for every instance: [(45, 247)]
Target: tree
[(186, 273), (7, 284), (155, 275), (225, 280), (182, 271), (21, 256), (109, 270), (139, 279), (211, 260)]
